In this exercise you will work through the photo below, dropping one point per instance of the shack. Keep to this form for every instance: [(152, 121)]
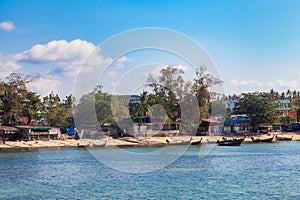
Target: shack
[(239, 126), (208, 127), (9, 133), (37, 133)]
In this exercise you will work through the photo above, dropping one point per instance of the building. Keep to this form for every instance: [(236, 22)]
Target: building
[(230, 103), (9, 133), (208, 127), (239, 126), (283, 106), (38, 133)]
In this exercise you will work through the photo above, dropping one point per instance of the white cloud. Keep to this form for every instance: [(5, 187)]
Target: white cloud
[(245, 83), (59, 51), (271, 84), (287, 84), (7, 65), (7, 26), (65, 56), (66, 60), (45, 85), (234, 83)]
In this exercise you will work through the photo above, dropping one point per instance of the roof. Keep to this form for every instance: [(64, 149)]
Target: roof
[(8, 129), (42, 128), (237, 120), (283, 101)]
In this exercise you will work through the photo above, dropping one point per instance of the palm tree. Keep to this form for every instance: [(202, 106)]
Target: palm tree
[(143, 107)]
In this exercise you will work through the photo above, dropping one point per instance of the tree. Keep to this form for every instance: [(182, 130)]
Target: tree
[(259, 107), (103, 106), (288, 120), (14, 94), (143, 106), (168, 90), (94, 107), (54, 111), (180, 97), (217, 108), (31, 105), (202, 82)]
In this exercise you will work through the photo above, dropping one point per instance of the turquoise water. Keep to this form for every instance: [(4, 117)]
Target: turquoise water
[(252, 171)]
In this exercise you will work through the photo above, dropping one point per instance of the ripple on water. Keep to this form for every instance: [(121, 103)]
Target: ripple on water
[(251, 171)]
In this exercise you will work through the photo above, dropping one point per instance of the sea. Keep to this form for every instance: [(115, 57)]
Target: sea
[(251, 171)]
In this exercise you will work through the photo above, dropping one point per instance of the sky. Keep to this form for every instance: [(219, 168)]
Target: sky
[(254, 45)]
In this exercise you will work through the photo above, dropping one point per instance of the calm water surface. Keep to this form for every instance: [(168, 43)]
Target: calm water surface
[(252, 171)]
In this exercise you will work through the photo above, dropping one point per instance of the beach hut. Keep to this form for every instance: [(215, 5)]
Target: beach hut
[(208, 127), (237, 126), (37, 133), (9, 133)]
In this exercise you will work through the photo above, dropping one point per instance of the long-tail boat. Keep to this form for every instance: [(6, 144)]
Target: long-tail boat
[(98, 145), (231, 142), (196, 142), (262, 140), (283, 138)]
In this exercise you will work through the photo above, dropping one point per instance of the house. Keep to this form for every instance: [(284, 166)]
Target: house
[(38, 132), (230, 103), (239, 126), (208, 127), (283, 106), (9, 133)]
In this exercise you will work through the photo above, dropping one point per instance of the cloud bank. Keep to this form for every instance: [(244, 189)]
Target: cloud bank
[(65, 58), (7, 26)]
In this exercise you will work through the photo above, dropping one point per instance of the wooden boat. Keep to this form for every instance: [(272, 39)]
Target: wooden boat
[(98, 145), (231, 142), (131, 140), (196, 142), (83, 145), (179, 143), (283, 138), (262, 140)]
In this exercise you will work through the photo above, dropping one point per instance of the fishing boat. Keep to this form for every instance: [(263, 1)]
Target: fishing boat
[(230, 142), (283, 138), (262, 140), (83, 145), (133, 140), (182, 142), (196, 142), (98, 145)]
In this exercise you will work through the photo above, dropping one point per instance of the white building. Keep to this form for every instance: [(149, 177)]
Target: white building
[(230, 103)]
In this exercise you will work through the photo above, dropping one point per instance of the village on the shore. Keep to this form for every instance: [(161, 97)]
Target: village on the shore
[(30, 121)]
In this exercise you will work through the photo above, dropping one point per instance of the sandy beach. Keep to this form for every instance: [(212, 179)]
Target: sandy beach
[(126, 141)]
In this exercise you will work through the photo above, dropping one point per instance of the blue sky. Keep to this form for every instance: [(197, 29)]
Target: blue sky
[(254, 44)]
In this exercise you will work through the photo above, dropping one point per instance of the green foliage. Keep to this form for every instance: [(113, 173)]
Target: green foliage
[(202, 82), (142, 108), (97, 103), (31, 105), (171, 91), (217, 108), (288, 120), (259, 107), (17, 101), (54, 111)]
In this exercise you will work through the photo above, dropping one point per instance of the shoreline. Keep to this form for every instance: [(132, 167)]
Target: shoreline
[(11, 146)]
